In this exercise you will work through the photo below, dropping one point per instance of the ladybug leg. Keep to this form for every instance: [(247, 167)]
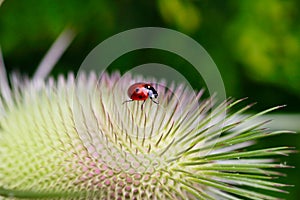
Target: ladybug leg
[(154, 101), (130, 100), (142, 106)]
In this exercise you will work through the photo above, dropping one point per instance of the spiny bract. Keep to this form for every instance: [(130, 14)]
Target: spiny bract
[(74, 139)]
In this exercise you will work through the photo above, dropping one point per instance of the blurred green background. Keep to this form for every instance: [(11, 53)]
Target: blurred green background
[(255, 44)]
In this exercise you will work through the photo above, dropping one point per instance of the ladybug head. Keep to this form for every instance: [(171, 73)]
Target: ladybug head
[(151, 91)]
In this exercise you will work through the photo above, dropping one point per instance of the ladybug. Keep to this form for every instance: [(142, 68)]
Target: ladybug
[(141, 92)]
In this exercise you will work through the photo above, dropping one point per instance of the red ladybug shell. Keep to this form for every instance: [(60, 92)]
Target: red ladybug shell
[(138, 91)]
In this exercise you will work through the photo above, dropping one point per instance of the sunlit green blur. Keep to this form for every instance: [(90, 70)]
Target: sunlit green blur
[(255, 43)]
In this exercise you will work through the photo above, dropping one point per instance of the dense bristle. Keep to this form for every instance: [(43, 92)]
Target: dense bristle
[(75, 137)]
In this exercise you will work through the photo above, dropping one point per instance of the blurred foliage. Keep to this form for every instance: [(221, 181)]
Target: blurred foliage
[(255, 43), (266, 40), (178, 13)]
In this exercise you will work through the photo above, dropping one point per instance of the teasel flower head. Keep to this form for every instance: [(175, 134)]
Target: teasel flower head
[(72, 138)]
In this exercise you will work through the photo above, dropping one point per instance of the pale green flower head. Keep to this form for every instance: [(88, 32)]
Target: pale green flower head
[(73, 138)]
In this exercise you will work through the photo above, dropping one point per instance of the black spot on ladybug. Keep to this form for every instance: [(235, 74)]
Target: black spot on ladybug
[(137, 90), (140, 96)]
